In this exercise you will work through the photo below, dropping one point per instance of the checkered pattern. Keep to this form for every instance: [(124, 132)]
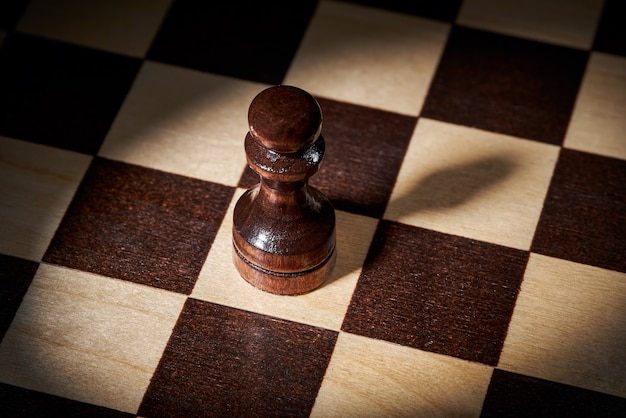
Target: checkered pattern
[(475, 157)]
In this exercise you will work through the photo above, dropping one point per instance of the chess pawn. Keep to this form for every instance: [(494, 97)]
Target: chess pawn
[(284, 229)]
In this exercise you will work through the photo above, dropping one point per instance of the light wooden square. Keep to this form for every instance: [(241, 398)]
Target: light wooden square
[(598, 124), (184, 122), (569, 326), (372, 378), (219, 281), (37, 183), (88, 338), (473, 183), (369, 57), (125, 27), (563, 22)]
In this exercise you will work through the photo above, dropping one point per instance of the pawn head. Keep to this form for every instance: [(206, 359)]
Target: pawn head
[(285, 119)]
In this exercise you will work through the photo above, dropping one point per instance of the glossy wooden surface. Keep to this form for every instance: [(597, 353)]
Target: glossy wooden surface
[(284, 229)]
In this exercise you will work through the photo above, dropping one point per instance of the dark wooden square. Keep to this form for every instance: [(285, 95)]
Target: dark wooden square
[(515, 395), (584, 215), (365, 148), (507, 85), (222, 361), (612, 28), (243, 39), (436, 292), (59, 94), (16, 275), (141, 225), (20, 402)]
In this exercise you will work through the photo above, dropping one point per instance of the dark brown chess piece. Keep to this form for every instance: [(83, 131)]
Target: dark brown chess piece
[(284, 229)]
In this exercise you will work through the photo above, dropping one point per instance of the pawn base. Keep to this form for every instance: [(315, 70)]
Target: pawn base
[(284, 283)]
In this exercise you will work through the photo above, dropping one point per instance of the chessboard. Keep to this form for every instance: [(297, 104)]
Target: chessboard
[(475, 157)]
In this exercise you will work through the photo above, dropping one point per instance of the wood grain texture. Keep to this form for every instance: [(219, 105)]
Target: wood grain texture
[(507, 85), (124, 223), (190, 125), (109, 352), (404, 298), (603, 87), (474, 183), (584, 215), (371, 57), (563, 310), (370, 378), (228, 362), (37, 184)]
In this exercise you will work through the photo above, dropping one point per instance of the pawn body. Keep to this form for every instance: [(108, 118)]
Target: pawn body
[(284, 229)]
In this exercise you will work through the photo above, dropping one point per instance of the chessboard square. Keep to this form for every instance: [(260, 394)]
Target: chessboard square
[(250, 40), (20, 402), (369, 57), (416, 383), (603, 87), (219, 281), (117, 26), (16, 275), (222, 361), (59, 94), (584, 215), (612, 29), (107, 357), (507, 85), (436, 292), (571, 23), (442, 10), (514, 395), (569, 326), (37, 184), (473, 183), (364, 151), (141, 225), (184, 122)]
